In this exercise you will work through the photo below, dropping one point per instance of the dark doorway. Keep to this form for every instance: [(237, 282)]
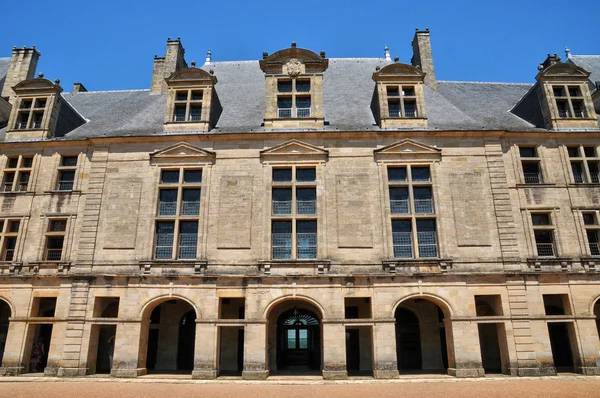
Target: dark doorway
[(152, 349), (298, 341), (231, 351), (106, 348), (4, 316), (490, 348), (597, 315), (38, 358), (561, 346), (352, 351), (187, 336), (408, 340)]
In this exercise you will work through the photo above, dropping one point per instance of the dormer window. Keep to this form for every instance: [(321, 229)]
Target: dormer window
[(193, 103), (31, 113), (569, 101), (398, 98), (188, 106), (402, 101), (294, 81)]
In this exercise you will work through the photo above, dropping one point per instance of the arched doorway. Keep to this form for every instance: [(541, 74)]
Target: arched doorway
[(421, 337), (597, 315), (5, 314), (295, 339), (171, 334)]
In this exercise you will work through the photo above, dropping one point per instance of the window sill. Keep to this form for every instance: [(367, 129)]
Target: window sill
[(173, 267), (428, 265), (16, 193), (531, 185), (59, 191), (321, 266), (591, 263), (583, 185)]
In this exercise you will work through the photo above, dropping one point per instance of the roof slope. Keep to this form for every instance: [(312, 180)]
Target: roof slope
[(591, 63), (4, 63)]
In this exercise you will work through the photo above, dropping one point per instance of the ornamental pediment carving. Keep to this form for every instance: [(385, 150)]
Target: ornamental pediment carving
[(398, 71), (564, 70), (294, 150), (182, 153), (408, 149)]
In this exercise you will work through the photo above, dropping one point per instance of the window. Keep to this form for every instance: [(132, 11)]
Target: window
[(592, 232), (294, 208), (569, 101), (177, 214), (188, 106), (531, 165), (17, 173), (55, 240), (584, 164), (66, 173), (411, 207), (293, 98), (402, 101), (31, 113), (9, 231), (543, 232)]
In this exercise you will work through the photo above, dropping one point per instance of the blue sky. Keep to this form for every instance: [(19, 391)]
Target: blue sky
[(110, 45)]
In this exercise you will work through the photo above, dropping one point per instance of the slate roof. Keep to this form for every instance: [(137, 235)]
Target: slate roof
[(591, 63), (347, 93), (4, 62)]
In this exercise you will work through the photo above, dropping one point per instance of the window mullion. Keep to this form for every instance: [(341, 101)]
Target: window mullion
[(415, 243), (175, 254), (294, 240)]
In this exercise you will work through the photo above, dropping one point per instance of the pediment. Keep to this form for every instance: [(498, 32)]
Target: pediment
[(313, 61), (294, 150), (191, 76), (36, 85), (564, 70), (182, 153), (408, 149)]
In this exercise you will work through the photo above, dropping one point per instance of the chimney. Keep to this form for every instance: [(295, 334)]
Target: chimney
[(79, 88), (165, 66), (22, 67), (550, 60), (422, 56)]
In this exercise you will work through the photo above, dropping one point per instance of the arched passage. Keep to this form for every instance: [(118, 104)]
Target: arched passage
[(5, 314), (169, 337), (295, 338), (597, 315), (421, 336)]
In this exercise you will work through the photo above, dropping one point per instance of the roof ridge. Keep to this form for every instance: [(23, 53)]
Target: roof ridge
[(110, 91), (502, 83), (585, 56)]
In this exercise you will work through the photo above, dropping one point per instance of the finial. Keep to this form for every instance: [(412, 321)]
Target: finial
[(322, 54), (212, 72), (40, 75), (293, 44), (396, 59), (57, 81), (386, 51), (568, 52), (265, 54), (208, 57), (377, 68), (541, 66), (193, 64)]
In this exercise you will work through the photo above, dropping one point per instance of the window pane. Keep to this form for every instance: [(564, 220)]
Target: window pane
[(399, 200), (284, 102), (527, 152), (197, 95), (540, 219), (192, 176), (303, 339), (423, 200), (13, 226), (282, 201), (168, 195), (593, 242), (574, 91), (188, 227), (40, 103), (426, 238), (181, 96), (420, 174), (302, 102), (306, 227), (191, 202), (12, 163), (578, 174), (396, 174), (410, 109), (306, 194), (392, 91), (69, 161), (282, 194), (165, 227), (57, 225), (28, 162), (558, 91), (589, 151), (170, 177), (408, 91), (179, 114), (291, 339), (573, 151), (284, 86), (282, 227), (589, 219), (303, 86), (195, 113), (282, 175), (304, 175), (402, 238), (190, 195)]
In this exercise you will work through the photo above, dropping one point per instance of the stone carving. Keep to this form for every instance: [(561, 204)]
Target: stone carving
[(294, 67)]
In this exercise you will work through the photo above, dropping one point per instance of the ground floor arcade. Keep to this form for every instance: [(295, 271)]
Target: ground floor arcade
[(337, 329)]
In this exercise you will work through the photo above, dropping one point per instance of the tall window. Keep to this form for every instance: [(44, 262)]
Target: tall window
[(584, 164), (402, 101), (55, 240), (530, 161), (569, 101), (9, 231), (294, 210), (178, 214), (543, 231), (66, 173), (293, 98), (31, 113), (411, 206), (188, 106), (592, 232), (17, 173)]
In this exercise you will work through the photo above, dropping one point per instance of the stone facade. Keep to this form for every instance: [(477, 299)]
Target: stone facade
[(476, 295)]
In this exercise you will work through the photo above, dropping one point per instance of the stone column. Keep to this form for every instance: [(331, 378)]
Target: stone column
[(54, 351), (12, 361), (589, 343), (334, 351), (205, 358), (384, 346), (466, 361), (541, 349), (255, 352), (128, 360)]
